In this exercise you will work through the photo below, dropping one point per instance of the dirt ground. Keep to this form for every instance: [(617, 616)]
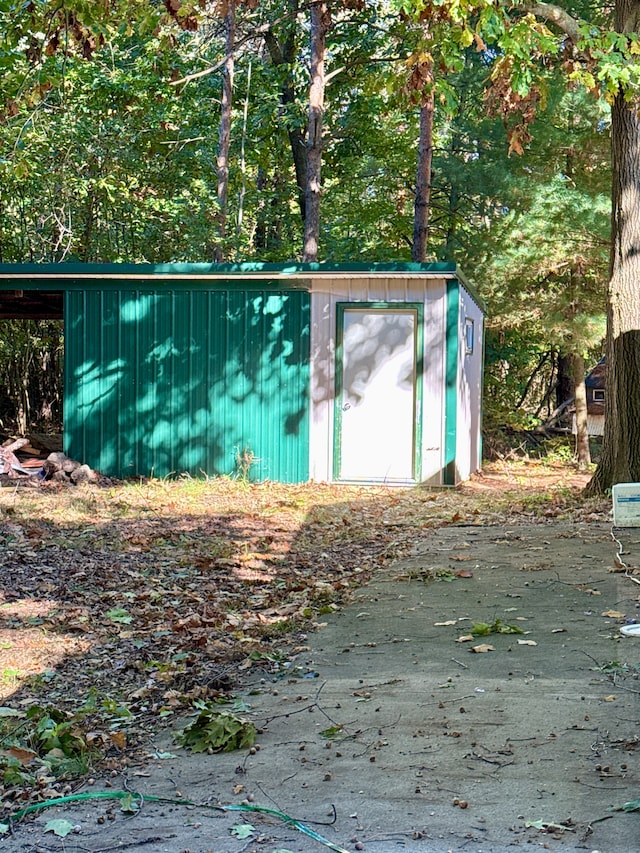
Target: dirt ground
[(386, 732)]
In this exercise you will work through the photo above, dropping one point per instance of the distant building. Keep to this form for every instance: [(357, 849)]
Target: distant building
[(595, 384)]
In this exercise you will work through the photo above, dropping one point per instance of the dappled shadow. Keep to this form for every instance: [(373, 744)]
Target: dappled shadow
[(166, 382), (148, 598)]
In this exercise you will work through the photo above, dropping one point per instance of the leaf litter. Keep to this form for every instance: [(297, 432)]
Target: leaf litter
[(124, 606)]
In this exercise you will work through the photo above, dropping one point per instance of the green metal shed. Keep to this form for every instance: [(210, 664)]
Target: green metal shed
[(352, 373)]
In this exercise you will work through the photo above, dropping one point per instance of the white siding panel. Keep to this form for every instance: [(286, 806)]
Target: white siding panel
[(595, 425), (468, 427), (433, 398)]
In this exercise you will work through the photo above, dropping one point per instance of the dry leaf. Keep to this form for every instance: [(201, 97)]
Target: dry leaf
[(613, 614), (611, 698), (483, 647), (465, 638), (559, 631), (24, 756), (118, 739), (527, 643), (448, 622), (464, 573)]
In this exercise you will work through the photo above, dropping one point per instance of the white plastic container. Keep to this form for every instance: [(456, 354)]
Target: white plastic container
[(626, 505)]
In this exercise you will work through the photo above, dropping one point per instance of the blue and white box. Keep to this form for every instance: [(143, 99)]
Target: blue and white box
[(626, 505)]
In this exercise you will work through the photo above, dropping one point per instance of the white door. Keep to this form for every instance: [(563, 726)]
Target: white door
[(376, 425)]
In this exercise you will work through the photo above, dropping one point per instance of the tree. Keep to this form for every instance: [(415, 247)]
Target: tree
[(422, 202), (600, 52), (225, 125), (320, 25)]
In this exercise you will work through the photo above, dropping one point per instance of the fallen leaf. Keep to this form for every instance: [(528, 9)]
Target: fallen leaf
[(119, 615), (613, 614), (483, 647), (544, 825), (610, 698), (465, 638), (118, 739), (559, 631), (527, 643), (464, 573), (242, 830), (59, 827), (24, 756), (631, 806), (448, 622)]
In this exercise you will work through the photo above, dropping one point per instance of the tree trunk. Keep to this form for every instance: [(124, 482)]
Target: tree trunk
[(225, 129), (620, 461), (320, 22), (565, 379), (284, 54), (583, 452), (422, 204)]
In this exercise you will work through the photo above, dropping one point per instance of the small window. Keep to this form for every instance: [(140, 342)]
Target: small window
[(468, 336), (598, 395)]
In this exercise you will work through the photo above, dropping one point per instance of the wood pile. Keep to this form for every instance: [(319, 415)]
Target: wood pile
[(33, 468), (61, 469)]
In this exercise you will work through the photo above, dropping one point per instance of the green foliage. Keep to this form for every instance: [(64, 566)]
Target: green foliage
[(214, 730), (483, 629), (108, 145), (31, 354), (46, 738)]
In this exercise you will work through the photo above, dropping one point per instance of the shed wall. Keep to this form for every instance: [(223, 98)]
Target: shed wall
[(325, 294), (161, 381)]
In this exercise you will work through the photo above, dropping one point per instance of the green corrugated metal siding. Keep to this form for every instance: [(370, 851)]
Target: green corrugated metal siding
[(172, 381), (452, 344)]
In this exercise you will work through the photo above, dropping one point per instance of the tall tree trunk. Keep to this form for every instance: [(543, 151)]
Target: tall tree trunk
[(422, 203), (243, 164), (620, 461), (284, 54), (583, 452), (225, 129), (320, 23)]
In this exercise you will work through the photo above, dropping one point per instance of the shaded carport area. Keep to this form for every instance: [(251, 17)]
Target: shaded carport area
[(31, 305)]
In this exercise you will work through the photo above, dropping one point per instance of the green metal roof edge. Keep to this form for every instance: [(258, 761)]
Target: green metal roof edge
[(31, 274), (74, 269)]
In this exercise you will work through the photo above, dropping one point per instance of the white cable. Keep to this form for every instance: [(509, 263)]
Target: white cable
[(620, 563)]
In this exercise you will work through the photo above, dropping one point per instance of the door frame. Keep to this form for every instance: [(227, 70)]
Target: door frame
[(418, 342)]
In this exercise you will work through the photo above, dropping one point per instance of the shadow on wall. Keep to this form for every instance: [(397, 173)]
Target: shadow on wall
[(180, 381)]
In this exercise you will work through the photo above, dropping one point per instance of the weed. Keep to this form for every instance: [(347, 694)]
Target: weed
[(10, 676), (46, 738), (245, 459)]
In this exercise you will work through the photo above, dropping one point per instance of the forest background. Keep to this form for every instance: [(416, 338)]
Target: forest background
[(183, 131)]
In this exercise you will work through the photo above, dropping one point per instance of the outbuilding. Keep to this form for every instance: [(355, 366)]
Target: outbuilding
[(290, 372)]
